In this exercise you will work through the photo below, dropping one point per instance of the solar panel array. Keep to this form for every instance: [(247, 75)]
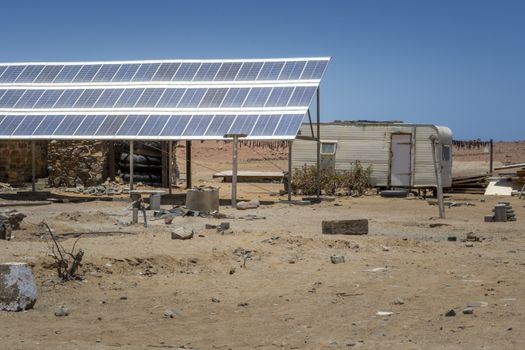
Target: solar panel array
[(265, 99)]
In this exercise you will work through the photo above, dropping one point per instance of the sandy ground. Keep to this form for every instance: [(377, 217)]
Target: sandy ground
[(288, 295)]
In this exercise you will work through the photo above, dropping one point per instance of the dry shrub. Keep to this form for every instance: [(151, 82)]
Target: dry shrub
[(353, 182)]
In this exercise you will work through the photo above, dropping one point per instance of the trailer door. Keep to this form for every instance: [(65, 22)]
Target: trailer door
[(400, 161)]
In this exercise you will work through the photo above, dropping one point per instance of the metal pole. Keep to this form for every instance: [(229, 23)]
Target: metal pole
[(131, 165), (491, 170), (437, 170), (33, 166), (289, 171), (188, 164), (318, 177), (234, 172), (170, 170)]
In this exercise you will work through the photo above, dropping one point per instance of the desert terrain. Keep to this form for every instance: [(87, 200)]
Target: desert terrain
[(270, 284)]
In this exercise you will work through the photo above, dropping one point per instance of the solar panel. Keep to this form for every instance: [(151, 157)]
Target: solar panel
[(179, 99)]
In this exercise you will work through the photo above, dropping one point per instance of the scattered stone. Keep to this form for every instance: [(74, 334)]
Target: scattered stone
[(224, 226), (210, 227), (384, 313), (243, 304), (225, 232), (168, 219), (398, 301), (215, 300), (452, 238), (337, 259), (345, 227), (61, 312), (450, 313), (472, 237), (385, 248), (17, 287), (182, 232), (469, 244), (468, 311), (169, 313), (232, 270), (123, 297), (253, 204), (477, 304), (12, 217)]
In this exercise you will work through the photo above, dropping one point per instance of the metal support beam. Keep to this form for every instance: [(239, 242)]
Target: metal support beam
[(33, 166), (289, 171), (318, 177), (188, 164), (131, 165), (170, 168), (234, 171), (437, 169), (491, 165)]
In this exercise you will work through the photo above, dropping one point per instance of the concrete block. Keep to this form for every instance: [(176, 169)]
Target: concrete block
[(17, 287)]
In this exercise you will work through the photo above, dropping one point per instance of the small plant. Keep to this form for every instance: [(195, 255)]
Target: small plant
[(352, 182)]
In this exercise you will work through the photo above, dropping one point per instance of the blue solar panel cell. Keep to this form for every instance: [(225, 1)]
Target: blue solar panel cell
[(302, 96), (68, 98), (10, 123), (126, 72), (249, 71), (48, 125), (132, 125), (191, 98), (69, 125), (235, 97), (207, 72), (149, 98), (213, 98), (266, 125), (10, 98), (90, 125), (86, 73), (289, 125), (176, 125), (88, 98), (29, 74), (146, 72), (67, 74), (198, 125), (28, 125), (129, 98), (166, 72), (48, 74), (108, 98), (29, 98), (154, 125), (314, 70), (279, 97), (292, 70), (243, 124), (111, 125), (48, 99), (270, 71), (170, 98), (228, 71), (220, 125), (186, 71), (257, 97), (11, 73)]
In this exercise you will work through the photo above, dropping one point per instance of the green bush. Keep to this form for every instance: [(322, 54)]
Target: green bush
[(352, 182)]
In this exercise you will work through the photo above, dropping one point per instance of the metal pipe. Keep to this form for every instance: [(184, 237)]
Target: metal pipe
[(289, 171), (170, 170), (437, 170), (131, 165), (188, 164), (234, 172), (491, 166), (33, 166), (318, 177)]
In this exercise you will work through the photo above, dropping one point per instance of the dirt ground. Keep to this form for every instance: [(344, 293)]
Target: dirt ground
[(288, 294)]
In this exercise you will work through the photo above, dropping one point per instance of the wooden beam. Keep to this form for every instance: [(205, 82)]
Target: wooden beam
[(188, 164)]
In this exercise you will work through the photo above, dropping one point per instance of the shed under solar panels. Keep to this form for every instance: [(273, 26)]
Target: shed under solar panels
[(169, 100)]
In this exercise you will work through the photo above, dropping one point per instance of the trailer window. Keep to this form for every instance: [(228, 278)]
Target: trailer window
[(446, 153), (328, 148)]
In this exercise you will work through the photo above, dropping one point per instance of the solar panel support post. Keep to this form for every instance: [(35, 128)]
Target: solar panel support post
[(318, 177), (491, 165), (33, 166), (188, 164), (235, 138), (131, 165), (170, 169), (111, 160), (289, 184)]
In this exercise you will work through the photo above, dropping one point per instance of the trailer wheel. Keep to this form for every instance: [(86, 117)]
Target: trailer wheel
[(402, 193)]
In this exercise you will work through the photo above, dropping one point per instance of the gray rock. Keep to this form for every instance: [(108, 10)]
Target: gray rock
[(169, 313), (61, 312), (398, 301), (17, 287), (182, 232), (450, 313), (168, 219), (337, 259), (468, 311), (253, 204), (215, 300)]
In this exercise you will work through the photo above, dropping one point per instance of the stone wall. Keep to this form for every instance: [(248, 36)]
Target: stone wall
[(15, 161), (73, 163)]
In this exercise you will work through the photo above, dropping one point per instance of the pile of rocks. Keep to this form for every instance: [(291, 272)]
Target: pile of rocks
[(107, 188), (75, 163), (9, 220)]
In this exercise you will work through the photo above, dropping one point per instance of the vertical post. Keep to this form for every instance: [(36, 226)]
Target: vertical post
[(234, 172), (111, 160), (437, 170), (188, 164), (318, 177), (289, 171), (491, 165), (131, 165), (33, 166), (170, 169)]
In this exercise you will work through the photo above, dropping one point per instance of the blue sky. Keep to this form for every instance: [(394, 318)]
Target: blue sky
[(459, 63)]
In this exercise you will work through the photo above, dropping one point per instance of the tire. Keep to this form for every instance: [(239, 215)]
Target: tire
[(394, 193)]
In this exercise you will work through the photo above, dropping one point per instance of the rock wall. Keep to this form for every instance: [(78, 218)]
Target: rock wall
[(73, 163), (15, 161)]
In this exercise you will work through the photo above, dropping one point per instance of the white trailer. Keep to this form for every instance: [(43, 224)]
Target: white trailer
[(400, 154)]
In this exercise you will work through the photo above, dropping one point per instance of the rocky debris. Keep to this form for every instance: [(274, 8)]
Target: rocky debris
[(452, 238), (472, 237), (107, 188), (384, 313), (272, 240), (469, 244), (169, 313), (210, 227), (253, 204), (61, 312), (12, 217), (252, 217), (337, 259), (168, 219), (77, 163), (450, 313), (5, 187), (182, 232), (398, 301), (385, 248), (477, 304), (17, 287), (232, 270), (215, 300), (5, 230), (468, 311), (243, 304)]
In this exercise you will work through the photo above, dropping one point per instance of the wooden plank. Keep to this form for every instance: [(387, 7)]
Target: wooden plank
[(345, 227), (511, 166)]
